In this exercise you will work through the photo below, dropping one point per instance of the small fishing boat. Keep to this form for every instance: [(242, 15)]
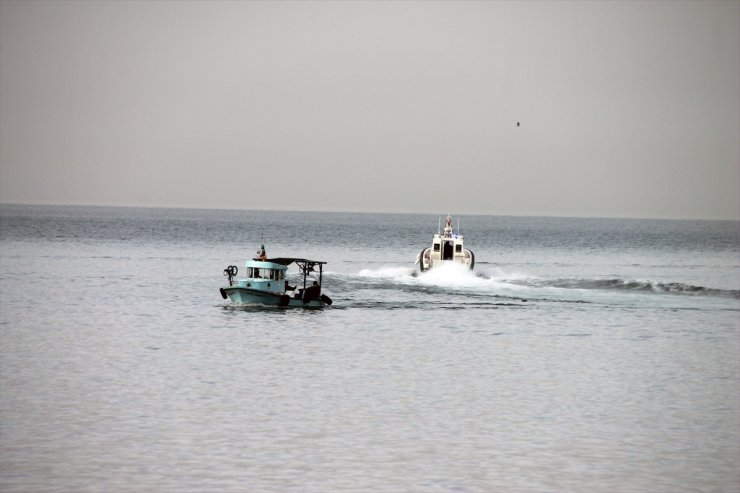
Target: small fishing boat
[(266, 283), (447, 247)]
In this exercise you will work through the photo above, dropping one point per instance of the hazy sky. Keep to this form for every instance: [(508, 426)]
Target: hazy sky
[(627, 108)]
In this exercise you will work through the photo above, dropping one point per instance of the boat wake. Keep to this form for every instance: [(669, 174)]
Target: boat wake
[(454, 278), (615, 284), (446, 278)]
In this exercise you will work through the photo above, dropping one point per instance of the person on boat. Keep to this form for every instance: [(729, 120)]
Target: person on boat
[(262, 253), (312, 292)]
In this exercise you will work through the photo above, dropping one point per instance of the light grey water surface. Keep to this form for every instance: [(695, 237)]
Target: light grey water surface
[(581, 355)]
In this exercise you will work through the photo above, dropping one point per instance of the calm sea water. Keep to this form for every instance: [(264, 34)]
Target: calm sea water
[(581, 355)]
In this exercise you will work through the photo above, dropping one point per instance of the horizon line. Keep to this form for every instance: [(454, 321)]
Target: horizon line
[(356, 211)]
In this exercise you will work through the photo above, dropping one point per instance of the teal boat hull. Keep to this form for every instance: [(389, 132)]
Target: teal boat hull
[(247, 296)]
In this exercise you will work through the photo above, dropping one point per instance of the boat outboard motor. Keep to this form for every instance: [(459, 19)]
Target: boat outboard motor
[(231, 271)]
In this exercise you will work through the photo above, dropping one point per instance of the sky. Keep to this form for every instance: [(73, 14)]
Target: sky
[(625, 109)]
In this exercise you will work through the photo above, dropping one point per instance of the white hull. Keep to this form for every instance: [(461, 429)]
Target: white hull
[(447, 248), (428, 260)]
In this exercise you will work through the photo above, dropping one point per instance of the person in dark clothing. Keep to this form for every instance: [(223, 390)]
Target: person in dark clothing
[(312, 292)]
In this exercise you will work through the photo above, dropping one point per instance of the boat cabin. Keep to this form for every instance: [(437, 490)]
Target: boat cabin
[(447, 248), (264, 276)]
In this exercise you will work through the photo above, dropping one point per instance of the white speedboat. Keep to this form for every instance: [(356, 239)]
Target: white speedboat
[(447, 247), (266, 283)]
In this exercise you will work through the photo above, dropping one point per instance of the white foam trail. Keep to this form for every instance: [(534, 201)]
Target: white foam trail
[(387, 272), (499, 274), (452, 276)]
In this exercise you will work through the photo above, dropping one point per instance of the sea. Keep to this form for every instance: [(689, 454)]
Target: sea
[(579, 355)]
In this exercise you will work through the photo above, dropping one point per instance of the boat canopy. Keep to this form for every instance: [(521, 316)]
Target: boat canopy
[(290, 260)]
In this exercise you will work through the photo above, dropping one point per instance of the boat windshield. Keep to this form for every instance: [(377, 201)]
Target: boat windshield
[(273, 274)]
